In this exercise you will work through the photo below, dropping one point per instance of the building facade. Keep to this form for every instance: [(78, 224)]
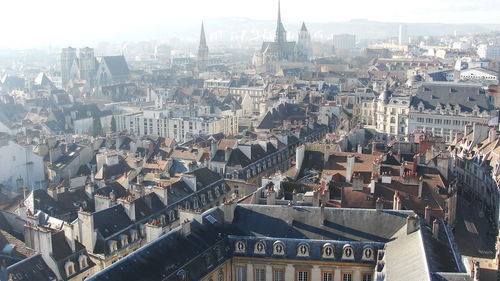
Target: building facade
[(180, 128)]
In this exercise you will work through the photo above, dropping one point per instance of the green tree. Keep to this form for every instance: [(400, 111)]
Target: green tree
[(113, 124), (97, 127)]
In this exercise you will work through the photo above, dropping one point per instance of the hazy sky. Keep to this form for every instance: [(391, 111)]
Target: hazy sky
[(35, 22)]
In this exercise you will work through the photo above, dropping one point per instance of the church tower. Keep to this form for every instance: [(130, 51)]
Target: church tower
[(280, 36), (304, 48), (202, 51)]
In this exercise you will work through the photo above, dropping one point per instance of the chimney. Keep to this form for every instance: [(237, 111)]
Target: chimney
[(396, 204), (153, 230), (162, 191), (350, 167), (86, 229), (492, 134), (360, 149), (373, 183), (379, 204), (299, 156), (228, 209), (357, 182), (271, 195), (412, 224), (213, 149), (321, 217), (420, 186), (427, 214), (294, 197), (89, 189), (227, 153), (435, 229), (186, 227), (128, 204)]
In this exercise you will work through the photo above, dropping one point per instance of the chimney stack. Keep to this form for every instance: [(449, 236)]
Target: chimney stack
[(350, 167), (427, 214), (412, 224), (396, 204), (420, 186), (379, 204), (373, 182), (271, 195), (435, 229)]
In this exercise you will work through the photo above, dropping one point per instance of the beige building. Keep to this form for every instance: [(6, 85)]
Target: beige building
[(181, 129), (263, 243)]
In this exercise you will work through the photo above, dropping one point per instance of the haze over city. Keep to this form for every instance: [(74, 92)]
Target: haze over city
[(260, 140)]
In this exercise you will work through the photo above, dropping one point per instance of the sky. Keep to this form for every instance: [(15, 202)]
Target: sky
[(25, 23)]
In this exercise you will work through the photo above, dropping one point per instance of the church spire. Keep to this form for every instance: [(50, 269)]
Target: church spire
[(280, 36), (203, 40), (202, 50)]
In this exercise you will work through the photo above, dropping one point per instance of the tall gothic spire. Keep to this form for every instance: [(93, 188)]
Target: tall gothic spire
[(280, 36), (203, 40), (202, 50)]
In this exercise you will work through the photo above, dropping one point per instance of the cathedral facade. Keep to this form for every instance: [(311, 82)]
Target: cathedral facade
[(281, 50)]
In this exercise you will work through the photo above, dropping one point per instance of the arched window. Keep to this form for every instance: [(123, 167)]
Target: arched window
[(368, 253), (240, 246), (303, 250), (69, 266), (348, 252), (328, 251), (260, 248), (278, 248), (82, 260)]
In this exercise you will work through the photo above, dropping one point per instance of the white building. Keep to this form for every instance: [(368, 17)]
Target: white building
[(489, 51), (21, 167), (179, 128), (445, 108), (392, 115), (403, 35)]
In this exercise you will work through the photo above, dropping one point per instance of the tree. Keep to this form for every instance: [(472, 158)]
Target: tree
[(113, 124), (97, 127)]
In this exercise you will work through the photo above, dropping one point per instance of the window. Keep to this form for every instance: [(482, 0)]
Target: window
[(347, 277), (82, 260), (303, 276), (279, 274), (260, 274), (327, 276), (70, 268), (241, 273), (367, 277)]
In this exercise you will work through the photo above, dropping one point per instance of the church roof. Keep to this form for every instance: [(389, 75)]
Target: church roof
[(117, 65)]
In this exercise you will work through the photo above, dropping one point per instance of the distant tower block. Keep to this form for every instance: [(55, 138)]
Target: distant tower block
[(202, 50), (68, 56), (403, 35)]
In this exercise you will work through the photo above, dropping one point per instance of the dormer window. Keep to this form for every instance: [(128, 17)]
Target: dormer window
[(348, 252), (303, 250), (217, 193), (171, 215), (328, 251), (69, 266), (82, 260), (368, 253), (240, 246), (133, 235), (278, 248), (112, 246), (123, 240), (260, 248)]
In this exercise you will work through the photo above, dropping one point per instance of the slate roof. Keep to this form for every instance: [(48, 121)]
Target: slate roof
[(117, 65), (463, 95), (111, 220), (286, 111), (33, 269)]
